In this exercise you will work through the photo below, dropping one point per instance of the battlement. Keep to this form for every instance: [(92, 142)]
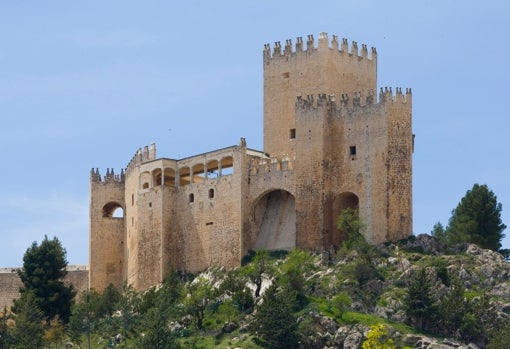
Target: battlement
[(147, 153), (109, 177), (260, 165), (323, 44), (356, 99)]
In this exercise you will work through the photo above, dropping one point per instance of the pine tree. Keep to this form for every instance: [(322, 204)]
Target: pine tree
[(5, 335), (439, 232), (274, 321), (157, 334), (43, 272), (477, 219), (419, 305), (28, 331)]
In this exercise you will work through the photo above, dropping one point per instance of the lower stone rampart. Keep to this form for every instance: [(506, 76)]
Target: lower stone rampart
[(10, 282)]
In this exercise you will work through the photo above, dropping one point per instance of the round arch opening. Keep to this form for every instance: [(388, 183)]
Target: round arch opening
[(341, 202), (274, 221), (113, 210)]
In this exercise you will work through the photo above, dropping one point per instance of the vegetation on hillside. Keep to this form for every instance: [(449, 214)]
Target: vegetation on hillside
[(476, 219), (399, 291), (389, 296)]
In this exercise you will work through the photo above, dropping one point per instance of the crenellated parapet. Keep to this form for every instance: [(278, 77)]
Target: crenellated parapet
[(258, 165), (147, 153), (323, 43), (356, 99), (109, 177)]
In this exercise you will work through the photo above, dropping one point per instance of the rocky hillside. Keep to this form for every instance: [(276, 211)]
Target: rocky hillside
[(416, 293), (468, 290)]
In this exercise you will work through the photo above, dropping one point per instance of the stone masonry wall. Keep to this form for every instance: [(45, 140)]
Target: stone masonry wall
[(330, 143), (10, 283), (208, 230), (331, 67), (107, 234)]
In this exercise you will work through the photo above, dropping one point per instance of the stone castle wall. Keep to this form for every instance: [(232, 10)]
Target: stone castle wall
[(107, 232), (326, 67), (331, 142), (10, 282)]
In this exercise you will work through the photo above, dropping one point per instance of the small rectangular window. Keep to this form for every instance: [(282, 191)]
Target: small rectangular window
[(292, 133), (211, 193), (191, 198), (352, 150)]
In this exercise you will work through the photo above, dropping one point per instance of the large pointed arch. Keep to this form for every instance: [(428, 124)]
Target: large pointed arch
[(274, 221)]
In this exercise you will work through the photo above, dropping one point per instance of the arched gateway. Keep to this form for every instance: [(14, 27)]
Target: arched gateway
[(274, 221)]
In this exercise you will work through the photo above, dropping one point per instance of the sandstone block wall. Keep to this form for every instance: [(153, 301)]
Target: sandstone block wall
[(10, 283), (331, 142), (330, 67)]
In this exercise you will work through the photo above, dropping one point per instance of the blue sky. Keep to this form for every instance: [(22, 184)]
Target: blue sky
[(85, 84)]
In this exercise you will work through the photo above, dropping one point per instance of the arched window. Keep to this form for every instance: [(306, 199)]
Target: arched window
[(198, 173), (157, 178), (113, 210), (169, 177), (213, 169), (227, 166), (211, 193), (184, 176), (145, 179)]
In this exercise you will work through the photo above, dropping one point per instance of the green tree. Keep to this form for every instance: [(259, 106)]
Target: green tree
[(29, 330), (255, 271), (234, 285), (274, 321), (157, 334), (477, 219), (352, 227), (198, 296), (55, 332), (43, 272), (293, 273), (128, 306), (439, 232), (341, 302), (85, 316), (5, 335), (107, 301), (453, 309), (159, 309), (418, 303)]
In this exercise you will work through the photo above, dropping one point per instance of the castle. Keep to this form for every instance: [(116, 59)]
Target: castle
[(331, 141)]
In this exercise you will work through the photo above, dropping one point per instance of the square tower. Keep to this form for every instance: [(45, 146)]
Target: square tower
[(329, 68)]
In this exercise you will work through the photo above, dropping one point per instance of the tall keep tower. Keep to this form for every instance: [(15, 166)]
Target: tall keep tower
[(107, 229), (350, 148), (288, 73)]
